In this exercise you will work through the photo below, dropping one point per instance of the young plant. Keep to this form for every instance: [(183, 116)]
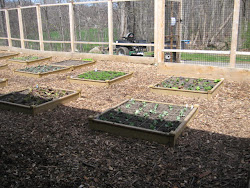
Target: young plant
[(217, 80), (170, 107), (128, 105), (146, 115), (144, 104), (152, 127), (132, 101), (137, 112), (178, 118), (198, 88)]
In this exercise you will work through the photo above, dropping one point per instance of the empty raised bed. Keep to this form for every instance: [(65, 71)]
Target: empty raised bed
[(27, 60), (74, 63), (149, 120), (41, 70), (191, 87), (4, 55), (100, 77), (3, 82), (37, 99)]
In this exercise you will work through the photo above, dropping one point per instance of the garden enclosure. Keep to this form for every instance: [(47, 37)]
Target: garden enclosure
[(185, 31)]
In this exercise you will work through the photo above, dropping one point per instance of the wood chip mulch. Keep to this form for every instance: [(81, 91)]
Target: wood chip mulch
[(57, 149)]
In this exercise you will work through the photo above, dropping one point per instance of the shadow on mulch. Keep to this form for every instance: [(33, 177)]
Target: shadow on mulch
[(57, 149)]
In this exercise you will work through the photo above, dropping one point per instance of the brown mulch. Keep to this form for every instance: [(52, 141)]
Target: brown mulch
[(57, 149)]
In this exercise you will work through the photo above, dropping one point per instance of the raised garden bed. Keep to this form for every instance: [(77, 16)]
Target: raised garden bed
[(37, 99), (74, 64), (100, 78), (4, 55), (3, 82), (27, 60), (149, 120), (3, 66), (191, 87), (41, 70)]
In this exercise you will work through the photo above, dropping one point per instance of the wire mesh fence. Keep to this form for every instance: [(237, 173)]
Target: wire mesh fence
[(189, 25), (91, 25)]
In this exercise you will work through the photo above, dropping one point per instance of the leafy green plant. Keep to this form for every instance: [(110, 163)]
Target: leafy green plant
[(217, 80), (198, 88), (87, 59), (101, 75), (146, 115), (144, 104), (137, 112), (170, 107), (178, 118), (152, 127), (132, 101)]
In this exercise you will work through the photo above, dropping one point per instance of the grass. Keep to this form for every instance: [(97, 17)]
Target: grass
[(26, 58), (212, 58)]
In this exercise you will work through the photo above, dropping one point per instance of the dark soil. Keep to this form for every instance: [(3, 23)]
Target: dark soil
[(71, 63), (34, 96), (41, 69), (198, 84), (160, 117), (57, 149)]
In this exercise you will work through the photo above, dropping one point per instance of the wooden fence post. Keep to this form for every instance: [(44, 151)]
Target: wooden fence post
[(159, 31), (20, 20), (40, 26), (72, 26), (235, 31), (7, 20), (110, 26)]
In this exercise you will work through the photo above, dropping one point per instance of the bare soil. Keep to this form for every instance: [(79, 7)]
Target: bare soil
[(57, 149)]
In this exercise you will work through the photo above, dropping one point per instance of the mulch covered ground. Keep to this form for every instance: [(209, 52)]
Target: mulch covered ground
[(57, 149)]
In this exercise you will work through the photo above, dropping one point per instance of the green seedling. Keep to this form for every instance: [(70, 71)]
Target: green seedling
[(165, 113), (146, 115), (132, 101), (198, 88), (144, 104), (137, 112), (132, 123), (187, 80), (169, 124), (152, 127), (119, 110), (207, 88), (170, 107), (178, 118), (152, 111), (128, 105), (217, 80), (174, 87), (155, 122), (156, 106)]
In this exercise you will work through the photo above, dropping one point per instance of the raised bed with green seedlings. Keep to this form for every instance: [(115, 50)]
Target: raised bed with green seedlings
[(3, 66), (3, 82), (74, 64), (27, 60), (4, 55), (191, 87), (37, 99), (41, 70), (149, 120), (100, 78)]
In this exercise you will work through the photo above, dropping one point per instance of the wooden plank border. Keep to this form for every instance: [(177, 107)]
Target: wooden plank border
[(3, 66), (138, 132), (3, 82)]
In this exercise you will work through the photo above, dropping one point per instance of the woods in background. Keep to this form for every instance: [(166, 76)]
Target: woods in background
[(207, 24)]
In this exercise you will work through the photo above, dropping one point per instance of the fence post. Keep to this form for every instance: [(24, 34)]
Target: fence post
[(7, 20), (235, 31), (110, 26), (159, 31), (40, 27), (72, 25), (20, 20)]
